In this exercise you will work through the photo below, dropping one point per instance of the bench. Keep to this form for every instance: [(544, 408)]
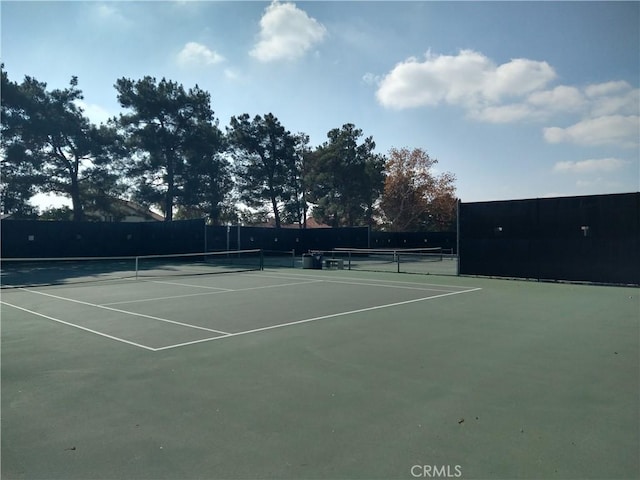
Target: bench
[(337, 263)]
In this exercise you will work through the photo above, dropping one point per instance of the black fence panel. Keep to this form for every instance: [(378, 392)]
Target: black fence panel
[(499, 220), (235, 237), (592, 238), (330, 238), (31, 239), (273, 239), (446, 240), (37, 239), (181, 236), (216, 238)]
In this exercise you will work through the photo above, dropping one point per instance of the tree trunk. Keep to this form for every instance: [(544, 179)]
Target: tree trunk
[(168, 200), (78, 214), (304, 215), (276, 213)]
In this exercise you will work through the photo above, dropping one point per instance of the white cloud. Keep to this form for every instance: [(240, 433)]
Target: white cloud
[(560, 99), (607, 88), (196, 54), (616, 130), (95, 113), (590, 166), (604, 114), (371, 79), (610, 112), (599, 185), (516, 78), (110, 13), (504, 113), (537, 106), (286, 33), (613, 98), (106, 11), (234, 75), (468, 79), (231, 74)]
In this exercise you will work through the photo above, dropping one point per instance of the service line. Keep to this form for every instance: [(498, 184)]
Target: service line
[(226, 290)]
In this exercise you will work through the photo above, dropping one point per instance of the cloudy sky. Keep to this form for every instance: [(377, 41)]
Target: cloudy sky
[(517, 99)]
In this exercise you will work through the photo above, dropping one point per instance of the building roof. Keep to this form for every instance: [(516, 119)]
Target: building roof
[(311, 223)]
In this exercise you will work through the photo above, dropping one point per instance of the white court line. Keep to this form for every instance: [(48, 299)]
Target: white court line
[(155, 299), (385, 285), (302, 275), (186, 285), (323, 317), (211, 293), (118, 339), (125, 312)]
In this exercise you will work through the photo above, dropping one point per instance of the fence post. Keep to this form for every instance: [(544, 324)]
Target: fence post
[(458, 236)]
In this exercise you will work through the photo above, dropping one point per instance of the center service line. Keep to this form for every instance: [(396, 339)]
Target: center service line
[(200, 294)]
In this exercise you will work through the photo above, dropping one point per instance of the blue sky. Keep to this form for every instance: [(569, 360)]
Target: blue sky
[(517, 99)]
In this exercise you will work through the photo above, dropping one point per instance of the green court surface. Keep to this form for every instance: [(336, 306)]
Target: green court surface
[(320, 374)]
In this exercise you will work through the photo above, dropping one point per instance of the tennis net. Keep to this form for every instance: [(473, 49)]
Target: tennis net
[(279, 258), (23, 272), (387, 260)]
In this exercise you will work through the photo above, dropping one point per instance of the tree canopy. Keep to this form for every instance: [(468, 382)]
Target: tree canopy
[(48, 145), (174, 136), (264, 152), (345, 178), (166, 150), (414, 197)]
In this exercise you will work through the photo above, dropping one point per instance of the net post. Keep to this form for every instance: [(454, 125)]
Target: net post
[(261, 259), (136, 268), (397, 260)]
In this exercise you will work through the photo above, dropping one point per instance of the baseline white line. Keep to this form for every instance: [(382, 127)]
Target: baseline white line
[(424, 288), (118, 339), (211, 293), (323, 317), (385, 285), (126, 312), (297, 275)]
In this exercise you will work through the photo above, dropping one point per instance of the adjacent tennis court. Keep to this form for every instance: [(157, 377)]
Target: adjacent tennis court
[(294, 373)]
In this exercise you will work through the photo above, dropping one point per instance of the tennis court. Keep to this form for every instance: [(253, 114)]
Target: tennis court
[(326, 374)]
